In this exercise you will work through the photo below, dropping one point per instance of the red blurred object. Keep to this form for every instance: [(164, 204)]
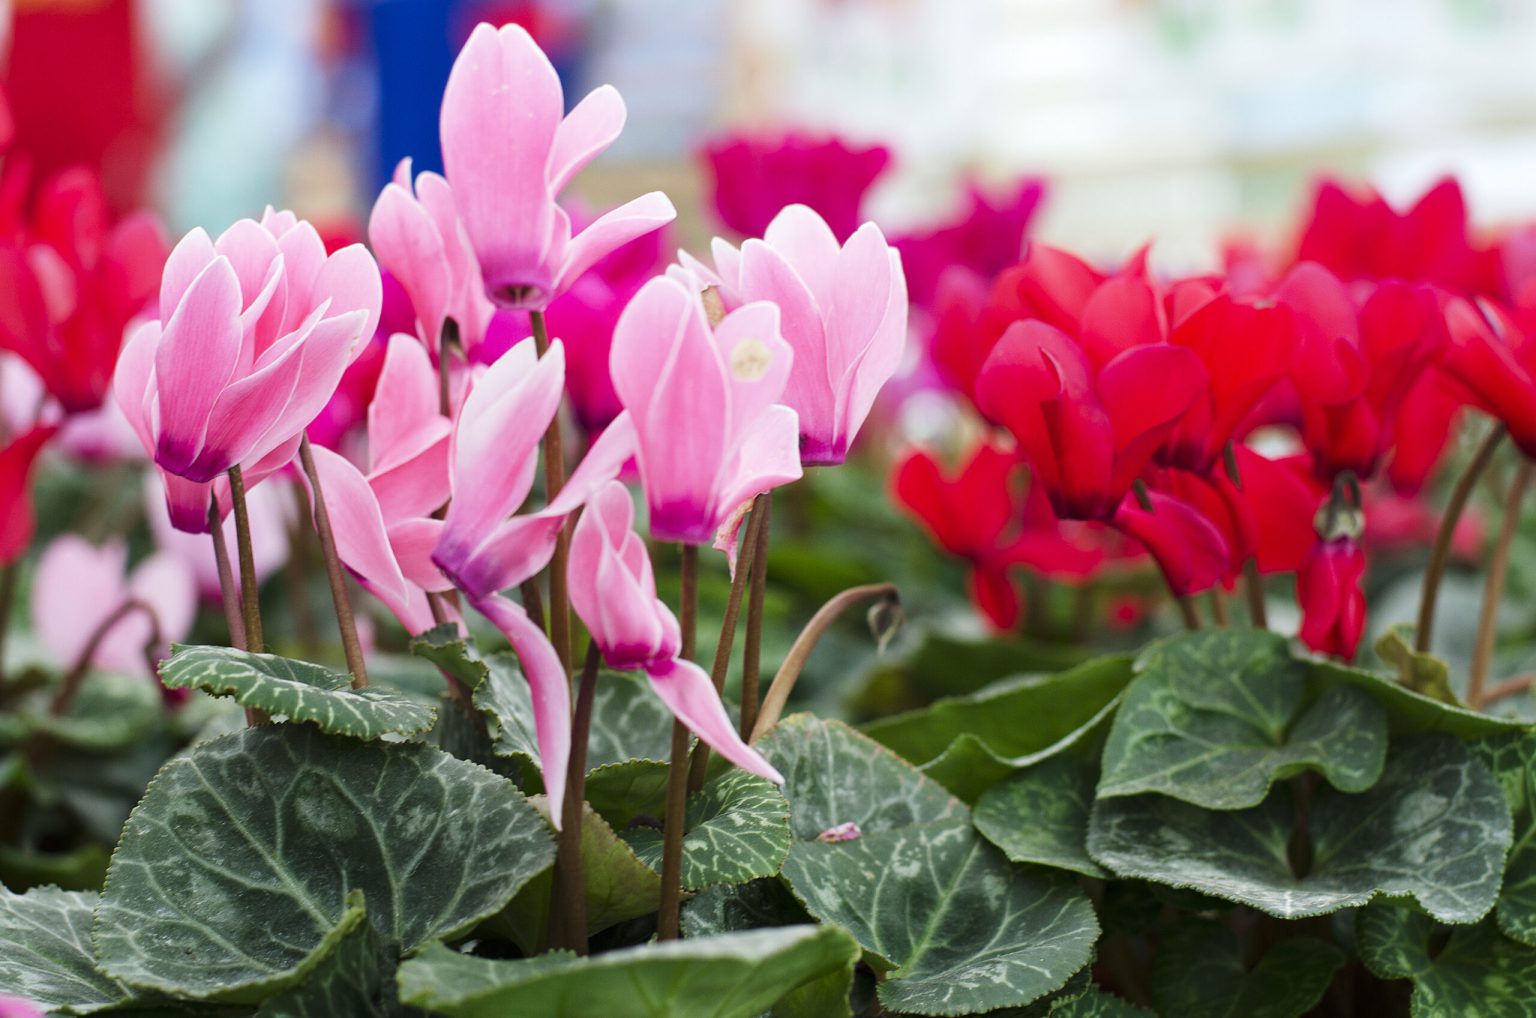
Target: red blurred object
[(82, 94), (16, 519), (753, 176), (70, 283), (1362, 237), (1332, 601)]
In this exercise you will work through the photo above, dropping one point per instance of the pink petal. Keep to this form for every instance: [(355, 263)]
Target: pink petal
[(551, 692), (768, 458), (63, 619), (766, 276), (635, 218), (132, 378), (417, 486), (880, 358), (350, 280), (413, 541), (362, 542), (808, 244), (407, 243), (584, 133), (186, 261), (194, 360), (501, 110), (326, 354), (691, 697), (404, 400)]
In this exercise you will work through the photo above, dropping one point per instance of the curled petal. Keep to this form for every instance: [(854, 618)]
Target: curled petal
[(690, 696)]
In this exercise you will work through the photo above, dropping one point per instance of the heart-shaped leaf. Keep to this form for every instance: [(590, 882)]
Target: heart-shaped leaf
[(297, 690), (45, 951), (968, 743), (1435, 826), (232, 874), (1477, 971), (884, 851), (1040, 815), (1215, 717), (731, 975), (1199, 970), (1512, 759), (737, 830)]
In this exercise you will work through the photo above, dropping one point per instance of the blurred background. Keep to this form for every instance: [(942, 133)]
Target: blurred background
[(1175, 119)]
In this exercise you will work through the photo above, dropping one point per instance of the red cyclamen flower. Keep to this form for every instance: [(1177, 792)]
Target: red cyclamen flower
[(1332, 602)]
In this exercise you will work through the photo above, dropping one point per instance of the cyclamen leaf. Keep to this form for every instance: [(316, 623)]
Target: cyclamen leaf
[(1040, 815), (443, 646), (45, 951), (1512, 759), (1098, 1004), (1216, 717), (1408, 712), (732, 975), (958, 928), (1478, 971), (111, 712), (1199, 970), (737, 830), (233, 872), (968, 743), (1435, 826), (297, 690), (357, 978)]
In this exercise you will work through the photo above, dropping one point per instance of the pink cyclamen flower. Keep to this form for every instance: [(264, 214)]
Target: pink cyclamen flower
[(67, 623), (257, 329), (382, 515), (843, 309), (509, 149), (614, 591), (710, 434), (418, 236), (484, 549)]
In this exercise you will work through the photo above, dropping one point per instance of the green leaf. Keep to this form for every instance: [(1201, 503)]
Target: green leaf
[(1199, 970), (297, 690), (357, 977), (625, 792), (732, 975), (45, 951), (761, 904), (1040, 815), (1422, 673), (968, 743), (111, 712), (960, 929), (1435, 826), (1512, 759), (1215, 717), (1478, 971), (942, 664), (737, 830), (1098, 1004), (232, 875), (833, 776), (443, 646), (81, 869), (1408, 713), (618, 886)]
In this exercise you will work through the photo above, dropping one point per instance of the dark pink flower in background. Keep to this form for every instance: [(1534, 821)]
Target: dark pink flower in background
[(984, 237), (753, 176)]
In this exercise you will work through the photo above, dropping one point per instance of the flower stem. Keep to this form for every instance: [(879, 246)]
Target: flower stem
[(1253, 586), (554, 480), (727, 642), (1218, 607), (1187, 610), (1440, 554), (667, 921), (70, 687), (227, 590), (568, 914), (250, 595), (1509, 687), (7, 598), (1493, 592), (784, 682), (447, 342), (344, 620), (752, 652), (297, 572)]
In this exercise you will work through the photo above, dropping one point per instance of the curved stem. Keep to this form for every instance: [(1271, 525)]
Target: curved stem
[(752, 652), (677, 767), (744, 566), (1493, 591), (568, 916), (70, 687), (1440, 554), (250, 595), (554, 480), (344, 620), (784, 682), (1509, 687)]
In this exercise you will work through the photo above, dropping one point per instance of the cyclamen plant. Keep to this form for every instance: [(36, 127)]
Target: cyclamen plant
[(562, 811)]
